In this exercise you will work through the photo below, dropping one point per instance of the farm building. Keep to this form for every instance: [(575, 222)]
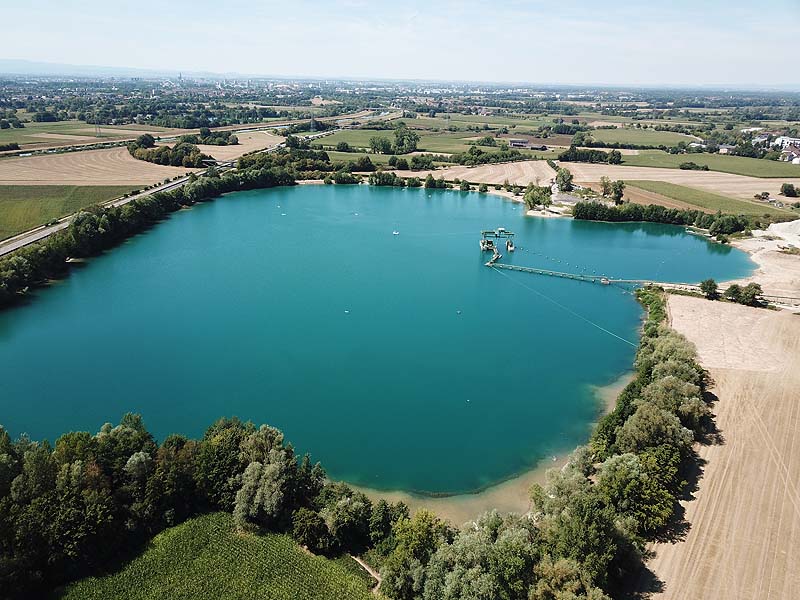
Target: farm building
[(518, 143), (791, 154), (726, 148)]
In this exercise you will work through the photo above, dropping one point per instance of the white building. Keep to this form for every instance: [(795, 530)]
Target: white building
[(784, 141)]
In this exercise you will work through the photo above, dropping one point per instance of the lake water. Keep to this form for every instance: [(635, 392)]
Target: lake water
[(399, 361)]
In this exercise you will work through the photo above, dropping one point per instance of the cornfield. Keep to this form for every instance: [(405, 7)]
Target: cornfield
[(206, 558)]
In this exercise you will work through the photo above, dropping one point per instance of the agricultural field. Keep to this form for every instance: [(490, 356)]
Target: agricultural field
[(23, 207), (707, 201), (723, 184), (113, 166), (643, 137), (206, 558), (739, 165), (65, 133)]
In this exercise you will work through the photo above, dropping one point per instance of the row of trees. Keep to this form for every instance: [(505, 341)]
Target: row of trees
[(476, 156), (211, 138), (749, 295), (575, 154), (718, 224)]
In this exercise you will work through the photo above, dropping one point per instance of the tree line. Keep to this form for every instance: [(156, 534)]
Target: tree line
[(574, 154), (718, 224)]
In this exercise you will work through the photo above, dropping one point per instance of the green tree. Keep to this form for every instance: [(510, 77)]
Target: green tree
[(617, 191), (710, 289), (310, 530), (564, 180), (788, 190), (751, 295), (734, 292), (605, 186), (536, 195), (380, 145)]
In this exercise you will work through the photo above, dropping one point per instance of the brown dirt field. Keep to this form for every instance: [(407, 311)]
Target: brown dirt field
[(640, 196), (725, 184), (248, 142), (114, 166), (521, 173), (744, 535), (63, 136)]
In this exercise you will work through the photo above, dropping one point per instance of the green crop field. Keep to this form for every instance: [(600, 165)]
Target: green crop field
[(708, 200), (738, 165), (206, 558), (378, 159), (24, 207), (644, 137), (357, 138)]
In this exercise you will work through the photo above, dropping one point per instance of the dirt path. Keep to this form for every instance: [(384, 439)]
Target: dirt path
[(375, 575), (744, 538)]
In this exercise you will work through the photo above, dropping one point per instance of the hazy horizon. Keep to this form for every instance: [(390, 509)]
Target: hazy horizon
[(714, 44)]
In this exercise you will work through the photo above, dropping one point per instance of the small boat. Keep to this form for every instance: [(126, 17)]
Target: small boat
[(395, 233), (510, 246)]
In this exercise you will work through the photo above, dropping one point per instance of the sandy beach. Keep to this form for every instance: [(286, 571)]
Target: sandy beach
[(508, 496)]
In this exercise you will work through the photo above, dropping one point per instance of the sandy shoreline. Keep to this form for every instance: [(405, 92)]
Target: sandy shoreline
[(508, 496)]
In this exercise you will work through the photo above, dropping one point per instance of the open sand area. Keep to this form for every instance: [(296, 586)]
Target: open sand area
[(249, 141), (113, 166), (743, 539)]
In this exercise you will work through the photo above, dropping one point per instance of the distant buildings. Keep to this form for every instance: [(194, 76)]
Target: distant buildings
[(784, 141), (726, 148)]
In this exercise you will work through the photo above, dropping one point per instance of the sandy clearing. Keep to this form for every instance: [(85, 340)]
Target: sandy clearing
[(249, 141), (520, 173), (744, 540), (727, 184), (113, 166), (605, 124), (777, 272)]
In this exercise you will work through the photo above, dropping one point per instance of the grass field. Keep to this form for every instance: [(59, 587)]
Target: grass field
[(707, 200), (738, 165), (644, 137), (205, 558), (24, 207)]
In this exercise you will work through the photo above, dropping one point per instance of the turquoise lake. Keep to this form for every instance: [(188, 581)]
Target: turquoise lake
[(398, 361)]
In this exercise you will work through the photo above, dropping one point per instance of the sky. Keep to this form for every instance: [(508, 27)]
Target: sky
[(677, 42)]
